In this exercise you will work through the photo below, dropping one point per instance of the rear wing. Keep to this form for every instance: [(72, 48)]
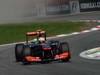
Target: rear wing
[(31, 33), (36, 33)]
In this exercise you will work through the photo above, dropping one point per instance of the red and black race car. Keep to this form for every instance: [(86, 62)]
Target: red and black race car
[(41, 49)]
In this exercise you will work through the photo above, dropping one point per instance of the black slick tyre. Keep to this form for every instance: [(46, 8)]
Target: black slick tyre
[(18, 52), (27, 51)]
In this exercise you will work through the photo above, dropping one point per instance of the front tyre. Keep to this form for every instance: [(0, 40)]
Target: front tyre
[(18, 52), (27, 51), (65, 48), (66, 60)]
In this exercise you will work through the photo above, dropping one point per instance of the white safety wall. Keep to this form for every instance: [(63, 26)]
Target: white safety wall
[(18, 10), (28, 10)]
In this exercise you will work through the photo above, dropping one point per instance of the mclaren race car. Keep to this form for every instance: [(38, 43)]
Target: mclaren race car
[(41, 49)]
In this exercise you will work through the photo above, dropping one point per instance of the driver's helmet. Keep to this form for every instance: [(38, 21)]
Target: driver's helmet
[(41, 40)]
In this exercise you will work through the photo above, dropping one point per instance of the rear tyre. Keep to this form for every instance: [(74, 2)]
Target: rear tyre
[(55, 45), (64, 46), (53, 42), (18, 52)]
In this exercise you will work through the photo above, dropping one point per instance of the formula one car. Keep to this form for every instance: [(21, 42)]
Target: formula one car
[(41, 49)]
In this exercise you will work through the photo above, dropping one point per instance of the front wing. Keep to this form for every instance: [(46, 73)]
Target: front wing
[(64, 55)]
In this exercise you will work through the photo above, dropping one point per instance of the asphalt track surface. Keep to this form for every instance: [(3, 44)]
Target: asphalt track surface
[(76, 66)]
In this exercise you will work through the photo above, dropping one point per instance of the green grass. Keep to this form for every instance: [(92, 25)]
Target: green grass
[(10, 33)]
